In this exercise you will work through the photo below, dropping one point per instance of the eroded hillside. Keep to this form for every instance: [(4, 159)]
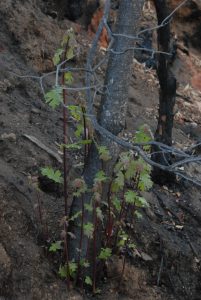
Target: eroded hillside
[(168, 238)]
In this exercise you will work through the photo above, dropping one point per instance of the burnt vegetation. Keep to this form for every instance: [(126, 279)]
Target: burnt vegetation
[(102, 201)]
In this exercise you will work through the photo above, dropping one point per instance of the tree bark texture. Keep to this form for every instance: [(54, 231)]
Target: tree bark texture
[(74, 9), (111, 116), (167, 93)]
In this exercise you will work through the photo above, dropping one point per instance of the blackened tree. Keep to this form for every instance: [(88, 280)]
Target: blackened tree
[(167, 92), (111, 115)]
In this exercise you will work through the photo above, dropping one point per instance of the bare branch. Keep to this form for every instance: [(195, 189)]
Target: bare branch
[(94, 85)]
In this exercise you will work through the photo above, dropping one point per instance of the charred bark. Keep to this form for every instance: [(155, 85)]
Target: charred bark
[(111, 115), (75, 9), (167, 94), (81, 8)]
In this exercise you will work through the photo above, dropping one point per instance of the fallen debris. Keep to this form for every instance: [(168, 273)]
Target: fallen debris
[(42, 146)]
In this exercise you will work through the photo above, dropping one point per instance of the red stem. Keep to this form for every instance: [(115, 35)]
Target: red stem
[(94, 248), (120, 217), (81, 240), (110, 220), (86, 148), (65, 169), (66, 255), (64, 148)]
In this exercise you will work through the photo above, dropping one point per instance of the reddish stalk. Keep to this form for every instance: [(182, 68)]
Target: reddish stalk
[(65, 169), (64, 148), (81, 240), (109, 227), (120, 217), (94, 248), (133, 209), (86, 136), (66, 255)]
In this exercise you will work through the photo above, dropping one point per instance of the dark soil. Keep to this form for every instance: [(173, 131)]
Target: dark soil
[(166, 264)]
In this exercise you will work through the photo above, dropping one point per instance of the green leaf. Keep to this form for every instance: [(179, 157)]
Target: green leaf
[(63, 271), (115, 187), (142, 167), (100, 176), (125, 159), (123, 238), (118, 182), (84, 263), (118, 167), (99, 213), (70, 54), (80, 186), (54, 247), (74, 146), (68, 77), (143, 135), (138, 214), (54, 97), (72, 268), (88, 230), (88, 207), (85, 142), (131, 170), (88, 280), (105, 253), (131, 246), (116, 202), (130, 197), (141, 202), (65, 39), (51, 174), (104, 153), (96, 195), (79, 130), (57, 56), (75, 112), (145, 182), (75, 216)]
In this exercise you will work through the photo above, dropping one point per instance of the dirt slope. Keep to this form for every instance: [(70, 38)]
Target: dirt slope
[(169, 236)]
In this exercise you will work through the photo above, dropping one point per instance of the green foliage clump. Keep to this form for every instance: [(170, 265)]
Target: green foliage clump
[(54, 247), (54, 97), (51, 174), (131, 177)]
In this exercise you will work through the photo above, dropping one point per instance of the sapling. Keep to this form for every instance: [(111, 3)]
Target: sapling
[(131, 176)]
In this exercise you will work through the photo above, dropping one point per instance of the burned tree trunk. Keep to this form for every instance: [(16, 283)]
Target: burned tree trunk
[(111, 116), (80, 8), (74, 9), (167, 93)]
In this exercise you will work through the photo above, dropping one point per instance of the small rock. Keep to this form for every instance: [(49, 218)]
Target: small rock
[(193, 124), (180, 227), (146, 257), (9, 136), (35, 111)]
